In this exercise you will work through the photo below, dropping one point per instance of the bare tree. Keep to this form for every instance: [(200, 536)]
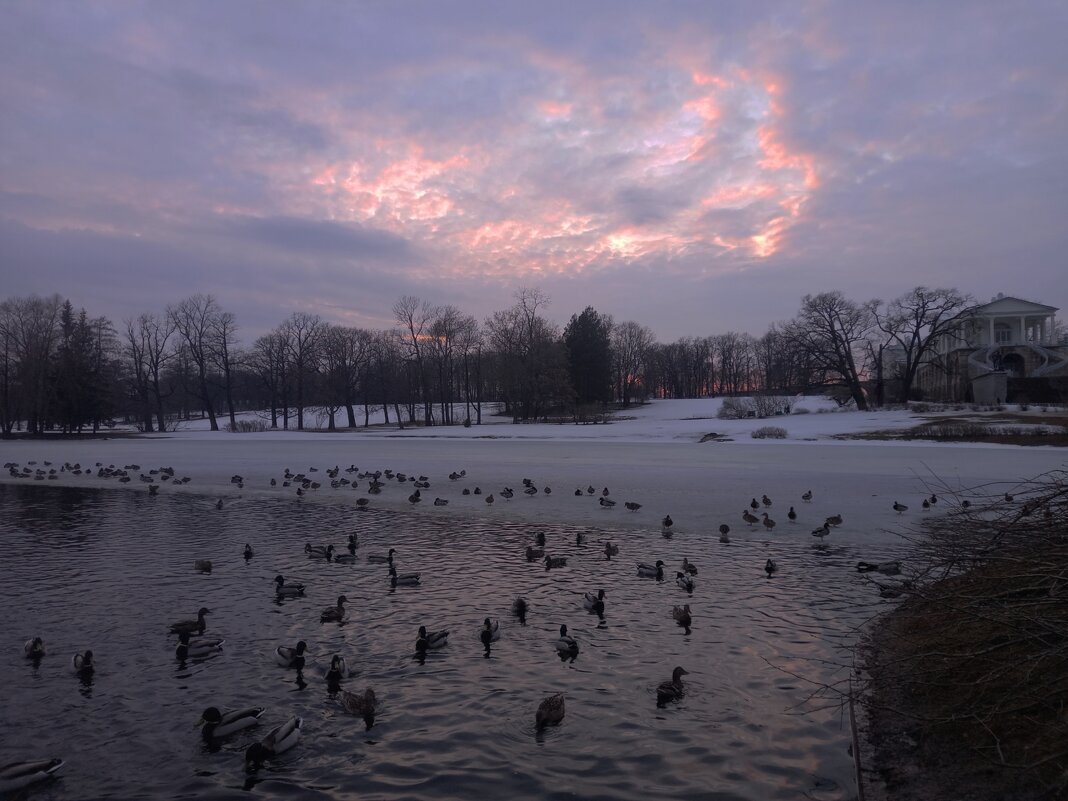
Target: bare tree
[(30, 330), (444, 332), (913, 323), (303, 334), (224, 329), (195, 321), (631, 345), (415, 317), (147, 352), (268, 360), (832, 331), (346, 352)]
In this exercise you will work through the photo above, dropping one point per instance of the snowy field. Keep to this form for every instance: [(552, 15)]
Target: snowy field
[(652, 455)]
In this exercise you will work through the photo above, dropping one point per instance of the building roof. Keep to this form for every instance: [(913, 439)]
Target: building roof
[(1006, 304)]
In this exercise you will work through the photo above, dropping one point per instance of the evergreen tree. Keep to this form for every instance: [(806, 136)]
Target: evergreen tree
[(588, 339)]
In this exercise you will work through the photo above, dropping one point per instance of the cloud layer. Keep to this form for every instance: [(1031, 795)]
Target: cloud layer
[(696, 167)]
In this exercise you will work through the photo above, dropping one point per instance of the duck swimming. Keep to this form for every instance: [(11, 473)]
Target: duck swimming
[(218, 724), (379, 559), (610, 550), (566, 644), (16, 775), (671, 690), (651, 571), (83, 662), (429, 640), (338, 669), (278, 741), (550, 711), (291, 656), (192, 626), (594, 601), (534, 554), (402, 579), (196, 650), (490, 632), (334, 614), (684, 581), (362, 704), (688, 567), (555, 561), (682, 616), (284, 590), (519, 609), (319, 551), (34, 648), (249, 553)]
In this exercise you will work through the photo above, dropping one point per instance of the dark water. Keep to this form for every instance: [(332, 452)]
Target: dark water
[(109, 570)]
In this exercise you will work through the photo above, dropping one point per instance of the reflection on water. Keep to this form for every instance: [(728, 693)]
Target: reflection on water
[(111, 570)]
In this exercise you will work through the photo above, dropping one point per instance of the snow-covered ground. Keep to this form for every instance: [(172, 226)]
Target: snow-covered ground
[(652, 455)]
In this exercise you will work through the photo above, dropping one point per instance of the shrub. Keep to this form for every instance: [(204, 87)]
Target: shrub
[(769, 432), (247, 427), (735, 409), (801, 410)]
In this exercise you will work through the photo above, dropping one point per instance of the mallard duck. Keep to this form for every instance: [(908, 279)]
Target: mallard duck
[(278, 741), (682, 616), (380, 560), (402, 579), (202, 565), (319, 551), (16, 775), (751, 519), (550, 711), (429, 640), (289, 656), (792, 515), (287, 590), (807, 496), (580, 538), (565, 643), (770, 567), (900, 507), (666, 524), (671, 690), (834, 520), (196, 650), (218, 724), (490, 632), (539, 539), (334, 614), (362, 704), (249, 553), (684, 581), (688, 567), (887, 568), (354, 542), (724, 533), (822, 531), (345, 558), (610, 550), (765, 500), (555, 561), (632, 506), (594, 601), (338, 669), (656, 571), (769, 524), (926, 504), (191, 626), (519, 609), (754, 505), (534, 554), (607, 503), (34, 648), (83, 662)]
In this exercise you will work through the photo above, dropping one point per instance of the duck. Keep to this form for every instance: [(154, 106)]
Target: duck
[(682, 616), (822, 531), (428, 640), (284, 590), (550, 711), (751, 519), (539, 539), (684, 581), (594, 601), (926, 504), (354, 542), (202, 565), (490, 632), (379, 559), (566, 644), (834, 520), (196, 650), (607, 503), (724, 533), (291, 656), (402, 579), (16, 775), (319, 551), (534, 554), (191, 626), (807, 496), (249, 553), (792, 515), (754, 505), (666, 524), (34, 648), (765, 500), (345, 558), (519, 609), (555, 561), (769, 524), (770, 567), (361, 704), (82, 662), (218, 724), (610, 550), (651, 571), (334, 614), (887, 568), (278, 741), (632, 506), (671, 690), (688, 567), (338, 670), (900, 507)]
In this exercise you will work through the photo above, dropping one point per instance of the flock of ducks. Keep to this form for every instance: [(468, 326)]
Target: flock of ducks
[(194, 645)]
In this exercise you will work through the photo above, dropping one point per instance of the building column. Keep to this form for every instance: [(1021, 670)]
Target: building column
[(990, 335), (1023, 329)]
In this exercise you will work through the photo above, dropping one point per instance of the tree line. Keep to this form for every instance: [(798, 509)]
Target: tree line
[(63, 370)]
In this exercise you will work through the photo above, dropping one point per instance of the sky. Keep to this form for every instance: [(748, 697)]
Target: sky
[(696, 167)]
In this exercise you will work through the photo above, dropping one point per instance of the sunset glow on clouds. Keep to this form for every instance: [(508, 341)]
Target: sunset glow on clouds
[(668, 165)]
